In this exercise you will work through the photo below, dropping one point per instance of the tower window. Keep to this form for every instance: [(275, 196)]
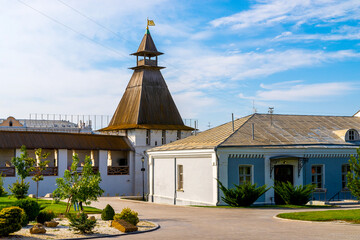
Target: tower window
[(178, 135), (163, 137), (352, 135), (148, 137)]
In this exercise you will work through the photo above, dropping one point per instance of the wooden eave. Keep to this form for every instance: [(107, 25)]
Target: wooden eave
[(147, 53), (58, 140), (147, 126), (147, 66)]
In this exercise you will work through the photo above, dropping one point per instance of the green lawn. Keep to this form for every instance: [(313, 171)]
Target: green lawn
[(56, 208), (330, 215), (272, 206)]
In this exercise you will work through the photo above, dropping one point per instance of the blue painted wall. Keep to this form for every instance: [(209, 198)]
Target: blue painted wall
[(258, 171), (331, 171)]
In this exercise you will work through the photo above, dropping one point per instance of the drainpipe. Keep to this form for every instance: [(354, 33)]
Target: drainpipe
[(217, 169), (175, 193)]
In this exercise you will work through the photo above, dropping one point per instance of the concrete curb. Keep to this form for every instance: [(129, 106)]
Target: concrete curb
[(312, 222), (117, 235)]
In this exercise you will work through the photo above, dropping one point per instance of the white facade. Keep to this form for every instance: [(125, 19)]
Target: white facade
[(113, 185), (138, 140), (199, 177)]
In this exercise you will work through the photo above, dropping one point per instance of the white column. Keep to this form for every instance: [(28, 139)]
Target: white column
[(62, 162), (223, 171), (151, 178)]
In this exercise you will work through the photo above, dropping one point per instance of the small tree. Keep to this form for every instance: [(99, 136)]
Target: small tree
[(23, 166), (79, 188), (39, 167), (353, 177)]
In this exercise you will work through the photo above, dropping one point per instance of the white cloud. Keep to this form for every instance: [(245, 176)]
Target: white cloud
[(287, 91), (271, 12), (216, 71)]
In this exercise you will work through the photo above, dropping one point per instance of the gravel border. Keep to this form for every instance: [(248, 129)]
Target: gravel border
[(102, 230)]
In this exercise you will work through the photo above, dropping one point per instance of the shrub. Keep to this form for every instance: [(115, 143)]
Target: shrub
[(31, 207), (108, 213), (80, 222), (242, 195), (10, 220), (2, 189), (19, 189), (45, 216), (294, 195), (128, 215)]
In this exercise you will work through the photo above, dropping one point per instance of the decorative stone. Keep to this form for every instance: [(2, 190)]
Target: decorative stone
[(92, 218), (32, 196), (49, 195), (38, 229), (51, 224), (123, 226)]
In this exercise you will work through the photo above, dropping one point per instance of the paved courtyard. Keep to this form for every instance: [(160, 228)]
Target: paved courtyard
[(179, 222)]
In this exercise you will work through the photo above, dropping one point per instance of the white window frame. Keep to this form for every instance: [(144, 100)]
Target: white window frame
[(322, 175), (180, 177), (352, 135), (251, 172)]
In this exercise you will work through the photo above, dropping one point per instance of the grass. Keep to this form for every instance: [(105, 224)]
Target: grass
[(57, 208), (352, 216), (272, 206)]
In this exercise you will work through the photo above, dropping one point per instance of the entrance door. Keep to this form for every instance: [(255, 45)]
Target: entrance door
[(283, 173)]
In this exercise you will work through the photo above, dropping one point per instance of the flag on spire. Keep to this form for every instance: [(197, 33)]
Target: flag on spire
[(150, 22)]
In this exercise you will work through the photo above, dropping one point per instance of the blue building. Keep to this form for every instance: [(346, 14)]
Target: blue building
[(262, 149)]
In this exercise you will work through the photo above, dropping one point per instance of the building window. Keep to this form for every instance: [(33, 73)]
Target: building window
[(178, 135), (180, 178), (10, 124), (345, 168), (352, 135), (148, 137), (163, 137), (245, 174), (317, 175)]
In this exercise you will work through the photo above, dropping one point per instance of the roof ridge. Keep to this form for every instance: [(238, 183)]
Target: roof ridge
[(249, 117)]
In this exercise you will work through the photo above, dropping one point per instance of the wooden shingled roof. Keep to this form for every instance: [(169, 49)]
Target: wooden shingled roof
[(272, 131), (147, 102), (147, 46), (58, 140)]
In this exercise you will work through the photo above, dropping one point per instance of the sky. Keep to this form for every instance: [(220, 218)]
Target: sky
[(221, 57)]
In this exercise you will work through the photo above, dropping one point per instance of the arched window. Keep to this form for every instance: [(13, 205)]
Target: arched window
[(10, 124), (352, 135)]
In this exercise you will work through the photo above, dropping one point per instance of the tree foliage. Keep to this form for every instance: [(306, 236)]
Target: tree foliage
[(353, 177), (77, 187), (242, 195), (23, 166), (38, 168), (23, 163), (294, 195)]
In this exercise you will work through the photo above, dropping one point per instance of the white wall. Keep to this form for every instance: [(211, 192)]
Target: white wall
[(199, 178)]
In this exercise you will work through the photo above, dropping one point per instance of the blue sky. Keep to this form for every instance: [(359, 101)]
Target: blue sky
[(72, 57)]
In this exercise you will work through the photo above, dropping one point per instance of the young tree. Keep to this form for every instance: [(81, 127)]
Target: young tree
[(38, 168), (23, 166), (353, 177), (77, 187)]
